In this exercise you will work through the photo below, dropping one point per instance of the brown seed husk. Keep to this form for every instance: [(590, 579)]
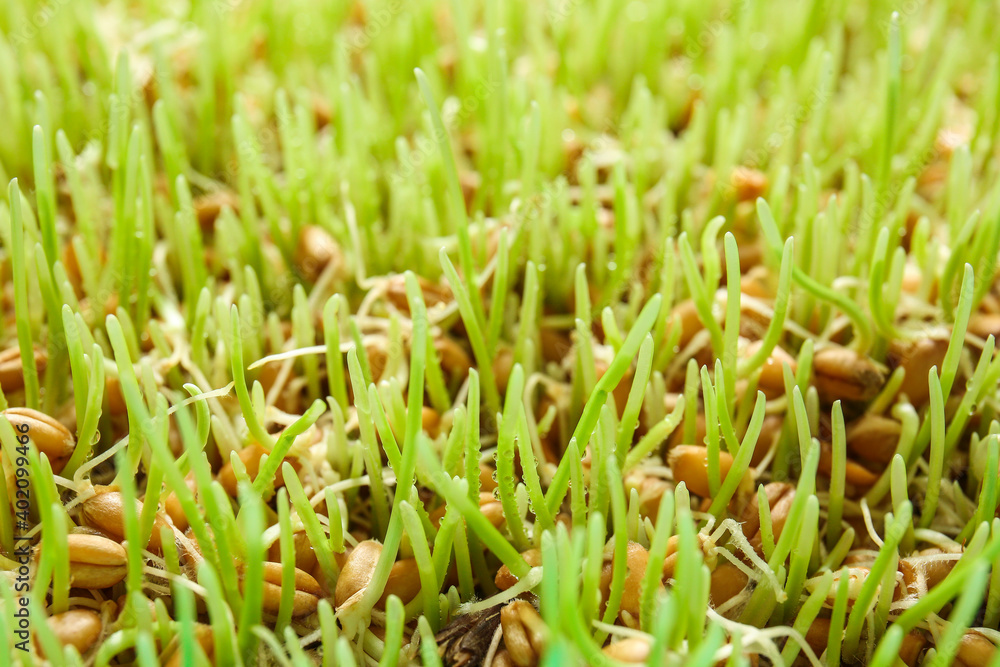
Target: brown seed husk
[(455, 361), (305, 554), (250, 456), (671, 556), (523, 633), (209, 206), (77, 627), (95, 550), (748, 183), (172, 504), (769, 432), (403, 582), (636, 559), (841, 374), (113, 393), (689, 464), (874, 438), (913, 644), (685, 315), (631, 650), (650, 490), (95, 577), (203, 637), (315, 251), (772, 373), (502, 659), (503, 363), (49, 435), (857, 475), (105, 512), (922, 572), (357, 572), (818, 635), (984, 325), (305, 599), (95, 562), (12, 370), (433, 293), (917, 359), (727, 582), (975, 650), (505, 579), (779, 499)]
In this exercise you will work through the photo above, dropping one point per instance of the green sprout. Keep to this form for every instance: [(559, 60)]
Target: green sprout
[(448, 333)]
